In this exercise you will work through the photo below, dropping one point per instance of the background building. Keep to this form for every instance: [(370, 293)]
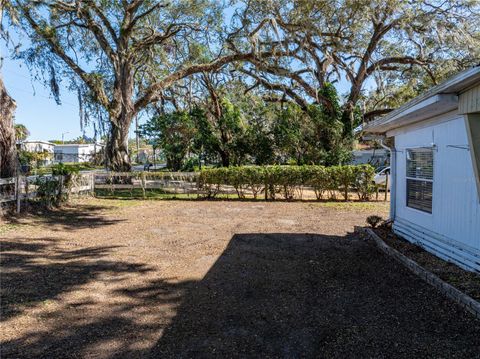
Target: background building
[(76, 152)]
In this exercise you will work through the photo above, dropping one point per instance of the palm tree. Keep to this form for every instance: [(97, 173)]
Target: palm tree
[(21, 132)]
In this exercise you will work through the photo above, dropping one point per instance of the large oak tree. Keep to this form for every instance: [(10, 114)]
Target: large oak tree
[(7, 134), (121, 56), (8, 158), (363, 45)]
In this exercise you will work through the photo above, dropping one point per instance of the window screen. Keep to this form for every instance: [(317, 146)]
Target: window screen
[(420, 178)]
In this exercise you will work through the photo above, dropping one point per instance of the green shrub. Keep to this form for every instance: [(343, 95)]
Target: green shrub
[(55, 190), (48, 191), (345, 176), (364, 181), (255, 178), (289, 181), (317, 177), (210, 181)]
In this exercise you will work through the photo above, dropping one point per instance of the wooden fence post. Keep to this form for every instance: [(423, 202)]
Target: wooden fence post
[(92, 184), (144, 183), (18, 192)]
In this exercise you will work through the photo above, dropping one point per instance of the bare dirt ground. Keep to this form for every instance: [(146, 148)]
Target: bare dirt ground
[(193, 279)]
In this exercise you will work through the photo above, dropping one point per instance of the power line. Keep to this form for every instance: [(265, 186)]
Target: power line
[(33, 94), (17, 73)]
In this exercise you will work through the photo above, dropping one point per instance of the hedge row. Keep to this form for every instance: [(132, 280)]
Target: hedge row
[(289, 181)]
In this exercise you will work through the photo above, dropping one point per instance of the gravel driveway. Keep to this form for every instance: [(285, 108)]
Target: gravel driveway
[(179, 279)]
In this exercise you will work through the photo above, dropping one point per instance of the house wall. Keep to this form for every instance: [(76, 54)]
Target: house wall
[(66, 154), (75, 153), (469, 101), (37, 147), (85, 153), (452, 230)]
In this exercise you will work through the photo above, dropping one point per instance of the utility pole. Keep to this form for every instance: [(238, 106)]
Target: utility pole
[(63, 137), (137, 137)]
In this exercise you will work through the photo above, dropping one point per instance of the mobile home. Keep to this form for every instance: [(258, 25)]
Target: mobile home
[(435, 162), (76, 152)]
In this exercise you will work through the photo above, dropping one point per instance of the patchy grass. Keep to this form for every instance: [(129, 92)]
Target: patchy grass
[(354, 206), (137, 193), (7, 227), (181, 279), (161, 194)]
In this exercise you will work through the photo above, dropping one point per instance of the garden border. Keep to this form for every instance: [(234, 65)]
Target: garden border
[(465, 301)]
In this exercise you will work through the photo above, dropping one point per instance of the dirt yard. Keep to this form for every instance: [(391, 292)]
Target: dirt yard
[(193, 279)]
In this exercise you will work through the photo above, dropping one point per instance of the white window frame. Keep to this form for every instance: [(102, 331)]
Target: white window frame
[(407, 177)]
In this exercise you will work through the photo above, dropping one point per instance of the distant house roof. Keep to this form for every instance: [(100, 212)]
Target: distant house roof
[(78, 144), (38, 141), (436, 101)]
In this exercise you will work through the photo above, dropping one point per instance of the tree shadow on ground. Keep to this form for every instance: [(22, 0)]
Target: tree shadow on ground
[(267, 295), (37, 271), (294, 295), (67, 217)]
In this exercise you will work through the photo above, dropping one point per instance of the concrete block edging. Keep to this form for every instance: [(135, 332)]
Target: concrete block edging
[(465, 301)]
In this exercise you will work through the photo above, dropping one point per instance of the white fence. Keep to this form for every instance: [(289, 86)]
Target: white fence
[(18, 189), (167, 182)]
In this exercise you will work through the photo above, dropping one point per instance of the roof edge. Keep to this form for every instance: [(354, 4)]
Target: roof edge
[(453, 85)]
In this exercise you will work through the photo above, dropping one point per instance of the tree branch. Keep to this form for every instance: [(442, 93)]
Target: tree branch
[(278, 87), (96, 87), (371, 114), (382, 64), (137, 18), (105, 21), (152, 92)]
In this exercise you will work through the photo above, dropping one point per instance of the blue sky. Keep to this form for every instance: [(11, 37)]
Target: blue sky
[(36, 108)]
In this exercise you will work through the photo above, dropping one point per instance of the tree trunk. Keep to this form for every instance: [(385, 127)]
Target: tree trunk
[(121, 116), (347, 120), (118, 158), (225, 158), (8, 158)]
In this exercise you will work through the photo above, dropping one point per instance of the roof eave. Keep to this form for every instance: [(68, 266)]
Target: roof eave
[(446, 91)]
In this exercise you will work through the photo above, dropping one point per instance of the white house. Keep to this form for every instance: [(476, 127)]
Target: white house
[(37, 146), (76, 152), (435, 160)]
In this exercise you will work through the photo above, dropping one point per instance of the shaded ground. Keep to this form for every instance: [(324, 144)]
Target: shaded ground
[(113, 279), (466, 281)]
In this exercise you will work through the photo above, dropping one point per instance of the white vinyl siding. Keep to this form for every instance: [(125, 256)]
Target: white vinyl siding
[(455, 217)]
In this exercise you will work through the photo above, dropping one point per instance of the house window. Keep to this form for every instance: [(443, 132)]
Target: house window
[(420, 178)]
